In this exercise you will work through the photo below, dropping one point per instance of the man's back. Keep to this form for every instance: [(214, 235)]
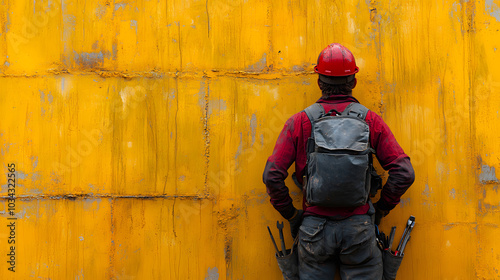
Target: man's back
[(332, 238), (291, 147)]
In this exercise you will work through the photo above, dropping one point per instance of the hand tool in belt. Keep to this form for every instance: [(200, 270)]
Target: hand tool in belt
[(407, 238), (274, 242), (380, 238), (408, 225), (391, 237), (406, 235), (402, 253), (280, 228)]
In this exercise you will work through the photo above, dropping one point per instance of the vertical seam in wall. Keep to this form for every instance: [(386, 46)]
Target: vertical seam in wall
[(378, 49), (112, 245), (206, 133), (180, 47), (175, 153), (4, 30), (468, 31), (270, 57)]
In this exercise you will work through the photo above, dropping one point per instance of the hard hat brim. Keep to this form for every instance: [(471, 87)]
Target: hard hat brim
[(336, 80)]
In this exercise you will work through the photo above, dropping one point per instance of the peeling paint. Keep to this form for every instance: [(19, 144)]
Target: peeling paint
[(21, 175), (260, 65), (4, 188), (253, 128), (212, 274), (453, 193), (35, 176), (488, 174), (133, 24), (6, 148), (69, 28), (426, 191), (7, 23), (63, 85), (448, 226), (240, 147), (171, 94), (404, 202), (90, 59), (487, 207), (455, 11), (216, 105), (115, 50), (492, 9), (201, 95), (118, 6)]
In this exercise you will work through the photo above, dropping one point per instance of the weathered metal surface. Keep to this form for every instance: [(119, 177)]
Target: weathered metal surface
[(140, 129)]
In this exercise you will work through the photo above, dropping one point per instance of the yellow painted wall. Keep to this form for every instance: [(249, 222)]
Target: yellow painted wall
[(140, 129)]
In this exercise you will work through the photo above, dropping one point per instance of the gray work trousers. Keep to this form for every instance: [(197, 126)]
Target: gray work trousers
[(348, 245)]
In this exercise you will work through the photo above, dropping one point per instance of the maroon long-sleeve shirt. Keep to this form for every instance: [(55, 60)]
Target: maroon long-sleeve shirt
[(291, 147)]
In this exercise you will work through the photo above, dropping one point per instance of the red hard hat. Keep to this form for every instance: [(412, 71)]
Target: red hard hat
[(336, 60)]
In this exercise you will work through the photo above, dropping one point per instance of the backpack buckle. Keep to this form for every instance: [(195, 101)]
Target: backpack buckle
[(337, 113), (359, 115)]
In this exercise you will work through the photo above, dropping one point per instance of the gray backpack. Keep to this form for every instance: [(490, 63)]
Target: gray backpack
[(339, 157)]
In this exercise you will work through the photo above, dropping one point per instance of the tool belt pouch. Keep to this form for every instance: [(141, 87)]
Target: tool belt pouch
[(391, 265), (289, 264)]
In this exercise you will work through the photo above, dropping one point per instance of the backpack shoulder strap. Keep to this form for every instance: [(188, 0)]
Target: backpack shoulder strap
[(314, 112), (356, 109), (359, 111)]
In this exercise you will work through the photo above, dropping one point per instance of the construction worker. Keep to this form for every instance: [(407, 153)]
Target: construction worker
[(335, 237)]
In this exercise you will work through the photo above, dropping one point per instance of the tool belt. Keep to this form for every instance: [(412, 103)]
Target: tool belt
[(392, 260), (391, 265), (289, 264)]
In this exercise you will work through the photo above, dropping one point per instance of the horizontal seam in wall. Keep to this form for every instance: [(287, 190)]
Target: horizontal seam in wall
[(156, 75), (112, 196)]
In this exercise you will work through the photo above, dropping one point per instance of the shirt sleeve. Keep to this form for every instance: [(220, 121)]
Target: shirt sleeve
[(276, 170), (392, 158)]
